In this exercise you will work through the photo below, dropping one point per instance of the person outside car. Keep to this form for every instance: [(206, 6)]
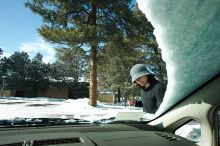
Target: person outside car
[(152, 90)]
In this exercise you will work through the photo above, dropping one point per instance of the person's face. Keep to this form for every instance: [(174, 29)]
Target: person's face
[(142, 81)]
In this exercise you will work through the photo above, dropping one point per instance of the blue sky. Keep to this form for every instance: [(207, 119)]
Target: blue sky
[(18, 28)]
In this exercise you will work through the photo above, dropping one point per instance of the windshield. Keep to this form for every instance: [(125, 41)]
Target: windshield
[(102, 62), (62, 60)]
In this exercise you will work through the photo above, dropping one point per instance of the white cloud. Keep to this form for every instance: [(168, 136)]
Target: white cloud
[(5, 54), (41, 46)]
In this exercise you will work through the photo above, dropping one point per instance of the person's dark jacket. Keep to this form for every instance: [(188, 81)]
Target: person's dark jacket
[(152, 97)]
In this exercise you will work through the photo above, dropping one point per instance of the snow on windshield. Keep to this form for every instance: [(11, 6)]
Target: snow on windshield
[(12, 107), (188, 34)]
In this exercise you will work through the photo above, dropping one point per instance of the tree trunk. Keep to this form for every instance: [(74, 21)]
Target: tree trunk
[(93, 61), (93, 77), (119, 95), (113, 98)]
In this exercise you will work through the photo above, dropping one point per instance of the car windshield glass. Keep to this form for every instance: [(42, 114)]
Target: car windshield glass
[(187, 33), (70, 62)]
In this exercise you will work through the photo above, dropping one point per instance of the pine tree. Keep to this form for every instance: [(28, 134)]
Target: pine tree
[(116, 59), (17, 71), (92, 23), (71, 65), (38, 75)]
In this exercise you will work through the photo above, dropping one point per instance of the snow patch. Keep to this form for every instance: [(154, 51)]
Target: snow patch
[(12, 107)]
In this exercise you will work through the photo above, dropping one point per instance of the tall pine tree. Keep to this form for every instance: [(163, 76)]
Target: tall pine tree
[(92, 23)]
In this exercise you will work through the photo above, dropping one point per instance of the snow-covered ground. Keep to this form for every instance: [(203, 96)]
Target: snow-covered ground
[(15, 108), (12, 107)]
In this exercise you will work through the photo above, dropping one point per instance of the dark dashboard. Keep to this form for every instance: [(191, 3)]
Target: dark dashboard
[(90, 135)]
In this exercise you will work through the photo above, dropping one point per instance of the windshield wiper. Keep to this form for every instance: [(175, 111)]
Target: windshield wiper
[(104, 120), (113, 120), (35, 122), (25, 122)]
